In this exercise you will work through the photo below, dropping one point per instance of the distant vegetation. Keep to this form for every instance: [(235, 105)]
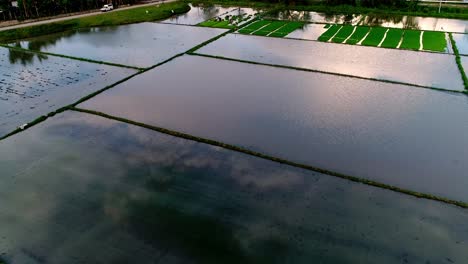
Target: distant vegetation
[(39, 8), (140, 14)]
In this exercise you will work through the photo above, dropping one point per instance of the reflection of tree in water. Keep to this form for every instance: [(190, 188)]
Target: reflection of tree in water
[(23, 57), (200, 237), (411, 23), (379, 19)]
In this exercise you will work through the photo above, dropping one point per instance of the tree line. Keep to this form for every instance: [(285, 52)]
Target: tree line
[(27, 9)]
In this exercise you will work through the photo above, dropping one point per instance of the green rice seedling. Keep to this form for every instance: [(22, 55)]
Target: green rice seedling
[(435, 41), (358, 34), (344, 33), (411, 40), (329, 33), (245, 31), (375, 36), (257, 25), (278, 34), (393, 38), (270, 28)]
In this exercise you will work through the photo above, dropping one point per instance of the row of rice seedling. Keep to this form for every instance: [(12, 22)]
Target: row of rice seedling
[(386, 37), (271, 28)]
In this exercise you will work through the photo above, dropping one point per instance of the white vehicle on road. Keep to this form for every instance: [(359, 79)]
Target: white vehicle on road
[(106, 8)]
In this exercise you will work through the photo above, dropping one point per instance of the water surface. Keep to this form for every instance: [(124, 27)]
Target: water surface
[(34, 85), (461, 40), (414, 138), (139, 45), (420, 68), (309, 31), (83, 189), (198, 14)]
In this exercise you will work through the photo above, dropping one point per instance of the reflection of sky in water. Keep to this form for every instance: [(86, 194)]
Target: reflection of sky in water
[(32, 86), (98, 191), (198, 14), (461, 40), (140, 45), (396, 134), (428, 69)]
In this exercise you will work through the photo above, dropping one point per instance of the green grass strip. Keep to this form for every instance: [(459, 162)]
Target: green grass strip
[(257, 25), (375, 36), (359, 34), (434, 41), (139, 14), (344, 33), (411, 40), (458, 61), (275, 159), (393, 38), (329, 33), (271, 27)]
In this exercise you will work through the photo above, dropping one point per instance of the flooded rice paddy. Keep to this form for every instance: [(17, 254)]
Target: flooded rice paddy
[(84, 189), (32, 85), (139, 45), (420, 68), (81, 188), (410, 137)]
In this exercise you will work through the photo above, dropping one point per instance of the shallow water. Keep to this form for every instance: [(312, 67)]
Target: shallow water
[(410, 137), (198, 14), (461, 40), (139, 45), (99, 191), (420, 68), (309, 31), (464, 61), (31, 85)]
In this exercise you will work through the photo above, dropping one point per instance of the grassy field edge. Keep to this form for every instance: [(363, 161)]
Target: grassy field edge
[(135, 15)]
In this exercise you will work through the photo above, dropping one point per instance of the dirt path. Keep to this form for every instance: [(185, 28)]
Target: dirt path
[(46, 21)]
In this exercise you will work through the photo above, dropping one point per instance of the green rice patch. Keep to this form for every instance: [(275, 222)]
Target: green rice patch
[(344, 33), (274, 26), (329, 33), (223, 24), (257, 25), (434, 41), (393, 38), (245, 31), (375, 36), (327, 26), (358, 35), (411, 40), (278, 34), (270, 28), (290, 27)]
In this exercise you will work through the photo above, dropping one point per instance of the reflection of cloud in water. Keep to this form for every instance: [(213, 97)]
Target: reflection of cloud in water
[(89, 193)]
